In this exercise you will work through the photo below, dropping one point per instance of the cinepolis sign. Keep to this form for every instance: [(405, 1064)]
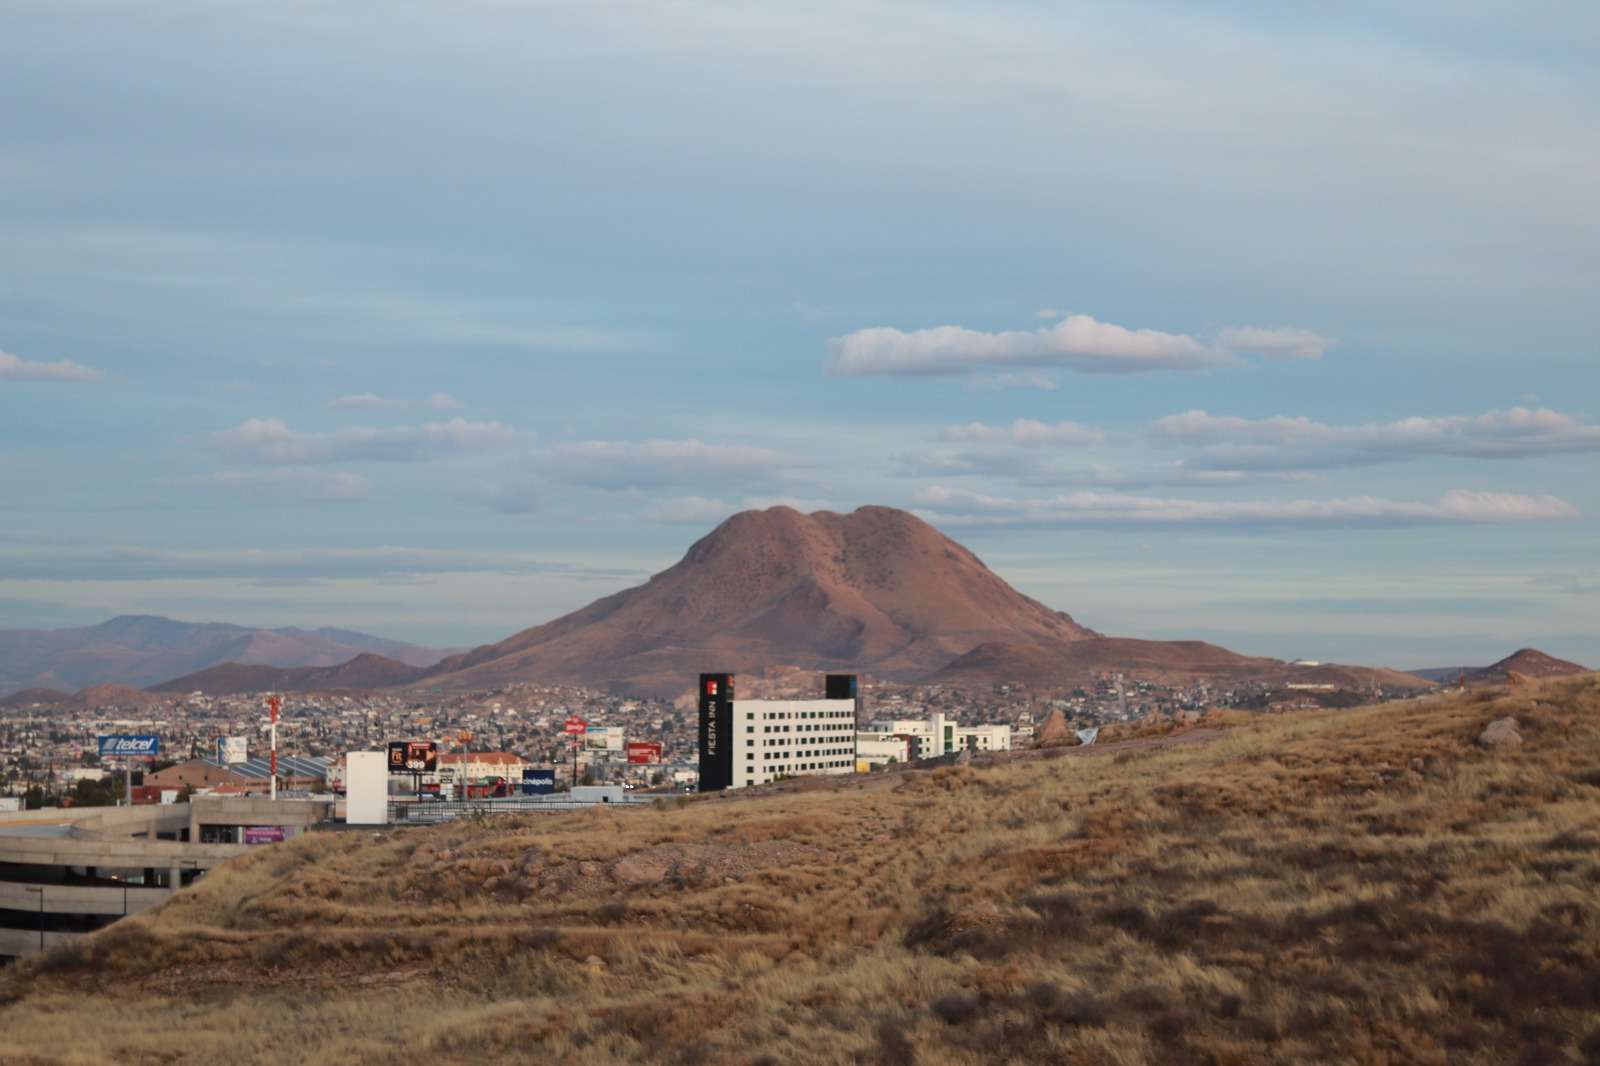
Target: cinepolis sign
[(130, 747)]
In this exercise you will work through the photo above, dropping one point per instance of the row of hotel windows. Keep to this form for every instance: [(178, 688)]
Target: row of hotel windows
[(833, 764), (769, 755), (781, 716), (797, 729)]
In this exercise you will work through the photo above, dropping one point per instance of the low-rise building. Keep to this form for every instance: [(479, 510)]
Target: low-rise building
[(938, 735), (250, 776), (881, 749)]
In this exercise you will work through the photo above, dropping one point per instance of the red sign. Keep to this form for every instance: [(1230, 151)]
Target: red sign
[(575, 725), (644, 751)]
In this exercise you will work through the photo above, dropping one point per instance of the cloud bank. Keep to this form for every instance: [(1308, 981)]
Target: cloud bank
[(958, 507), (1076, 342), (16, 368), (1300, 443)]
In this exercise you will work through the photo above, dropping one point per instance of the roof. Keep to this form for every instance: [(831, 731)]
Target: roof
[(483, 757), (257, 769)]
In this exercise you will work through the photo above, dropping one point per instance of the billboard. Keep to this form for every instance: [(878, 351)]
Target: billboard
[(538, 781), (716, 732), (232, 750), (413, 757), (123, 746), (644, 751), (603, 738), (264, 834)]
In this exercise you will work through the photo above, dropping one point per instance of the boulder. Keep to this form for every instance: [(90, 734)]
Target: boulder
[(641, 869), (1501, 733)]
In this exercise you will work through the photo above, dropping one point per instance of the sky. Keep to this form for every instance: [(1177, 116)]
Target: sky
[(1267, 324)]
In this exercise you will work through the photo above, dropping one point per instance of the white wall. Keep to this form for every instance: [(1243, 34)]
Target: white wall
[(366, 777)]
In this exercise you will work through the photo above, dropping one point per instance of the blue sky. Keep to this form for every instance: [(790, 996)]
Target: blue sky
[(1256, 323)]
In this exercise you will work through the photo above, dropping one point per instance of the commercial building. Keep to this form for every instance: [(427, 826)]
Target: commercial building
[(251, 776), (881, 749), (937, 735), (475, 766), (751, 742), (65, 872)]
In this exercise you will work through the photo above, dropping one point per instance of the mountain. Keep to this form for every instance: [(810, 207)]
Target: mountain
[(1444, 674), (35, 697), (365, 671), (875, 591), (1048, 666), (1529, 662), (145, 649)]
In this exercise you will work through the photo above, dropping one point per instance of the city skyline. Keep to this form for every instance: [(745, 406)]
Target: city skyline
[(1266, 329)]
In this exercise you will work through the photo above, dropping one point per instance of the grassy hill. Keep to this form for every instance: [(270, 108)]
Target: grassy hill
[(1364, 886)]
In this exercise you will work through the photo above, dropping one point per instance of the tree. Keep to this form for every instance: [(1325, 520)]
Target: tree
[(87, 793), (588, 778)]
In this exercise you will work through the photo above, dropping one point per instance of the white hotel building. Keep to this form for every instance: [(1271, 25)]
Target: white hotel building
[(778, 738), (751, 742)]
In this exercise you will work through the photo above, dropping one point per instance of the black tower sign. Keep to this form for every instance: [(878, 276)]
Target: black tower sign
[(716, 732)]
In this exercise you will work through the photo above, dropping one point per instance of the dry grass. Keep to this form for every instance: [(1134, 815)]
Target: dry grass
[(1339, 887)]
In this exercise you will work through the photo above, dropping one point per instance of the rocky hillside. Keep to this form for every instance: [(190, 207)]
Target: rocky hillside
[(366, 671), (1525, 662)]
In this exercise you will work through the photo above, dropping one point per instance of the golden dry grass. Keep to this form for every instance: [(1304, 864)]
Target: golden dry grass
[(1361, 886)]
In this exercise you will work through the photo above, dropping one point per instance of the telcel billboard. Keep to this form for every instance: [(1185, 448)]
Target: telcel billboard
[(122, 746)]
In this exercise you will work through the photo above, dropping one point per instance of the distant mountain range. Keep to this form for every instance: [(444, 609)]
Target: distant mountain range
[(141, 650), (877, 591), (1529, 662)]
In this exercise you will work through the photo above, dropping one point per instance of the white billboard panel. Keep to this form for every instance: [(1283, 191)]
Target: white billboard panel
[(603, 738), (233, 750), (366, 788)]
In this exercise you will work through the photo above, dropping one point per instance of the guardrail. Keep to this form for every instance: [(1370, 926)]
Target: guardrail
[(432, 812)]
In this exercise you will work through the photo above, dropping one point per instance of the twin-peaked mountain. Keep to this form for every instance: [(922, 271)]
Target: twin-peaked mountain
[(877, 591)]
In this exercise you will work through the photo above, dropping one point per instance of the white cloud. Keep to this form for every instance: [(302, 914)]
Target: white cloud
[(16, 368), (443, 401), (1024, 431), (1114, 510), (1291, 343), (315, 486), (1300, 443), (367, 401), (1077, 342), (270, 441), (607, 464)]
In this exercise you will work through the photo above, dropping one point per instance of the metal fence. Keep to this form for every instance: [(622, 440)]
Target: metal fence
[(432, 812)]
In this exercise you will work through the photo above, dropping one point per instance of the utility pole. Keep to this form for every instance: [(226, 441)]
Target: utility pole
[(274, 703)]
